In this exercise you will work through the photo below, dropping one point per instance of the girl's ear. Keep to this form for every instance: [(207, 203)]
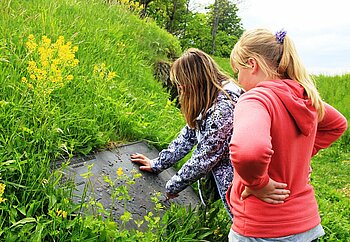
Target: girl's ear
[(253, 64)]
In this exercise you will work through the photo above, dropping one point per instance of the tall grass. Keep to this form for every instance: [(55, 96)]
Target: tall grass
[(83, 114), (333, 90)]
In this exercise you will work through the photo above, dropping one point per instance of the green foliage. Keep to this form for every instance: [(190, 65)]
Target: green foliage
[(333, 90), (228, 21), (198, 33), (184, 224), (169, 14), (196, 29), (110, 96), (224, 44), (331, 169), (225, 27)]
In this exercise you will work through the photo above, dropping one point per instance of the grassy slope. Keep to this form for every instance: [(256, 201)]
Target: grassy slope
[(86, 113), (104, 34)]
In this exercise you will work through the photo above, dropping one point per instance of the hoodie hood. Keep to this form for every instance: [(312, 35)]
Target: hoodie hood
[(295, 100)]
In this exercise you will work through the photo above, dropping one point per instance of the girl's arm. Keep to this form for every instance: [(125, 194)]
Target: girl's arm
[(176, 150), (331, 127), (250, 147), (210, 149)]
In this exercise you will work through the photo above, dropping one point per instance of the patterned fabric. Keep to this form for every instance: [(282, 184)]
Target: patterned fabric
[(210, 140)]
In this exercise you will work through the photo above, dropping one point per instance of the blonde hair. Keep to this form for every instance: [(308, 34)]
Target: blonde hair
[(277, 60), (199, 80)]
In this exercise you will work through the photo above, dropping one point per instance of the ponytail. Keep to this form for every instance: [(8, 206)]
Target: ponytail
[(278, 59)]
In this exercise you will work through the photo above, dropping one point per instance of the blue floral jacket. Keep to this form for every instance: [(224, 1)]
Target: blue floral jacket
[(211, 137)]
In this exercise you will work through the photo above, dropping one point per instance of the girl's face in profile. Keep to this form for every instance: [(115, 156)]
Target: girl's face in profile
[(249, 74), (244, 78)]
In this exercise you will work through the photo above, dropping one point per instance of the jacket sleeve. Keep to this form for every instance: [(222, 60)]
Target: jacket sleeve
[(176, 150), (210, 149), (250, 146), (329, 129)]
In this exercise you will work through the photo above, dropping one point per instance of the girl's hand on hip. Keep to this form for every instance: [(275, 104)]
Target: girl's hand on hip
[(274, 192), (142, 160)]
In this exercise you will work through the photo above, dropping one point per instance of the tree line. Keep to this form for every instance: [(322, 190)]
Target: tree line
[(214, 31)]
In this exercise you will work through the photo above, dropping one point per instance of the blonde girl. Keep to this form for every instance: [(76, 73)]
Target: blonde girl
[(280, 123)]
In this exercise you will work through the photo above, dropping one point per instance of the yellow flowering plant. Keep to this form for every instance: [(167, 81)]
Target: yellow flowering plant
[(102, 73), (2, 190), (50, 64)]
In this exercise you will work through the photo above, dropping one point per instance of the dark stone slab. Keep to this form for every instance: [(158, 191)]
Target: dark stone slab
[(106, 163)]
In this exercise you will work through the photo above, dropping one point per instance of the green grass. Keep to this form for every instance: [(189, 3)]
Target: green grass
[(224, 63), (85, 114), (89, 112)]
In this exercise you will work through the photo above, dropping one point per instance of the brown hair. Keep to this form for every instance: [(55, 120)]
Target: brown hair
[(277, 59), (199, 80)]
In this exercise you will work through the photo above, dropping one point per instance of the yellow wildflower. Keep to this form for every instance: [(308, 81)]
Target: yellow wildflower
[(61, 213), (50, 64), (44, 182), (75, 62), (120, 171), (2, 188), (96, 69), (46, 41), (111, 75), (70, 77), (31, 66), (45, 63), (75, 49)]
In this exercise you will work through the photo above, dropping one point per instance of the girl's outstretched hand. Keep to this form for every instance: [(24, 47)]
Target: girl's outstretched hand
[(143, 161), (274, 192)]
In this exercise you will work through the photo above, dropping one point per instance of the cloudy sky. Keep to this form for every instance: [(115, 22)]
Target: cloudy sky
[(320, 29)]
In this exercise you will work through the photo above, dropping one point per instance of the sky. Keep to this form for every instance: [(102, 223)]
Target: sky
[(320, 29)]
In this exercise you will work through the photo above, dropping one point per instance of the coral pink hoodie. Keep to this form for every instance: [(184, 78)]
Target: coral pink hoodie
[(276, 132)]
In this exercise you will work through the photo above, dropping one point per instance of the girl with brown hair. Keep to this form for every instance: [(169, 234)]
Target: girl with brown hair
[(207, 97)]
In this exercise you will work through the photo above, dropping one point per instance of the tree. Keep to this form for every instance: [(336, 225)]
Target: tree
[(223, 16), (197, 32), (169, 14), (144, 4), (214, 32), (215, 24)]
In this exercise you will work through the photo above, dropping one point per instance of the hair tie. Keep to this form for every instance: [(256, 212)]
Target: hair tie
[(280, 35)]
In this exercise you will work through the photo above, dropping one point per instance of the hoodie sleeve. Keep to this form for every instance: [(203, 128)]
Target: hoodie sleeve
[(210, 149), (176, 150), (250, 147), (329, 129)]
